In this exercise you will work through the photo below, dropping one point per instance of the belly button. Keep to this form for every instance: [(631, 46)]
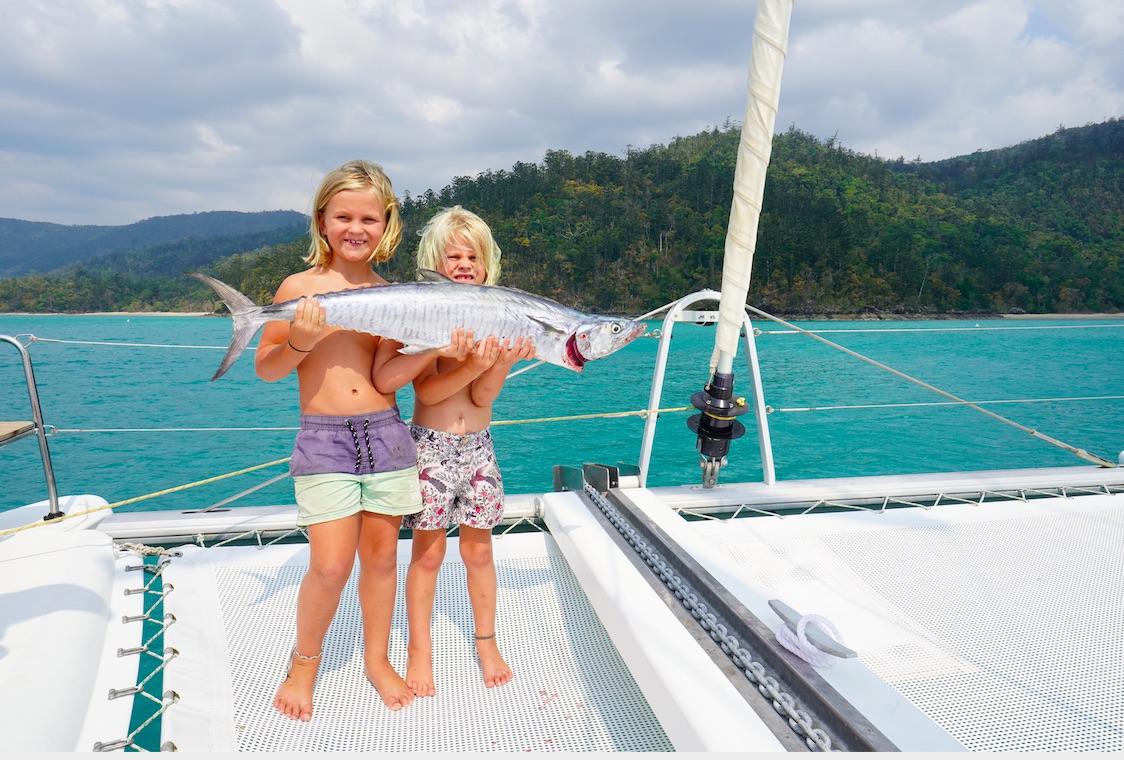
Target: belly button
[(354, 391)]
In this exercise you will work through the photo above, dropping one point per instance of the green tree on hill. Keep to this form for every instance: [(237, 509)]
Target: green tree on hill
[(1038, 227)]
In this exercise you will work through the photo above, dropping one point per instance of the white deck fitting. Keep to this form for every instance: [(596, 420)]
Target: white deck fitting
[(235, 615), (1001, 622)]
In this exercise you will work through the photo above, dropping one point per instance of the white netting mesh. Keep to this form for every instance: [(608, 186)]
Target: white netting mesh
[(571, 690), (1006, 631)]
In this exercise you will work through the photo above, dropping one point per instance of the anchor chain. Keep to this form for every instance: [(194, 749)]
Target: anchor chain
[(798, 720)]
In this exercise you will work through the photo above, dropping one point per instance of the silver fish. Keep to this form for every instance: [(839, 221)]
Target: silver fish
[(421, 316)]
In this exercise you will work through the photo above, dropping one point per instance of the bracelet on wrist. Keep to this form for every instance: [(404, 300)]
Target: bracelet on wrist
[(299, 351)]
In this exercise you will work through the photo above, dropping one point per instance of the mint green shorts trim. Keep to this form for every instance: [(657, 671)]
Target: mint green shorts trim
[(335, 495)]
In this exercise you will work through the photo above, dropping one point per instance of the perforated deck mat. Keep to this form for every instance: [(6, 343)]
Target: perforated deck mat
[(571, 691), (1003, 623)]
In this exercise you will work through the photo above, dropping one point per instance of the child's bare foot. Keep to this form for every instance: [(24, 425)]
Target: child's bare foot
[(294, 695), (390, 686), (419, 672), (496, 672)]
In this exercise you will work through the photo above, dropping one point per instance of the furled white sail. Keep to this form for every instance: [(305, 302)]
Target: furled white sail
[(770, 46)]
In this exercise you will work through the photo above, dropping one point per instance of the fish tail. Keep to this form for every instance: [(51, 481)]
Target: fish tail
[(247, 320)]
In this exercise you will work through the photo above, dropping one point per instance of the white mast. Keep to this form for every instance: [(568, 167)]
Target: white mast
[(716, 425), (770, 46)]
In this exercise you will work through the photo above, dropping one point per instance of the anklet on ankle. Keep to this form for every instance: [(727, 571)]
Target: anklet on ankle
[(302, 657)]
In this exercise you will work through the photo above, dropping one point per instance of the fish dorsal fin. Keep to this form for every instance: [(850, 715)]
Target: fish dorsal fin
[(428, 275)]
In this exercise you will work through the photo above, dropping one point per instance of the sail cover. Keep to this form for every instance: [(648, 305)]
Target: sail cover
[(770, 46)]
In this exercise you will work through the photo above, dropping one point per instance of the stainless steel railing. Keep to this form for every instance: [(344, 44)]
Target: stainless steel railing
[(36, 427)]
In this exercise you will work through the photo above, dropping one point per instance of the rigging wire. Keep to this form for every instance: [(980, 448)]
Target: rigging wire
[(1081, 453), (563, 418), (977, 328), (609, 415), (119, 344), (794, 330), (943, 403)]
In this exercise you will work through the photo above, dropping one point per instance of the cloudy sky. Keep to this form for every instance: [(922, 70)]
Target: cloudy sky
[(112, 111)]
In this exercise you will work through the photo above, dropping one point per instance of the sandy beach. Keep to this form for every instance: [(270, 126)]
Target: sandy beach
[(109, 314)]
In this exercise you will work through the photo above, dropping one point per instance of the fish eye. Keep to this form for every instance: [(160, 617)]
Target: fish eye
[(616, 327)]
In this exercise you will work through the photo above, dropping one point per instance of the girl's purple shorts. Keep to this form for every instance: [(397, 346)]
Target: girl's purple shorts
[(361, 445)]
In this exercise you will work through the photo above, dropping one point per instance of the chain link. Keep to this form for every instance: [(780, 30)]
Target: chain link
[(798, 720)]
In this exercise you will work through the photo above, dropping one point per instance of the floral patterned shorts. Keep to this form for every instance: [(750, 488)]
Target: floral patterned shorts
[(460, 480)]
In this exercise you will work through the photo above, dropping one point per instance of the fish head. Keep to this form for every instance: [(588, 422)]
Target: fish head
[(595, 339)]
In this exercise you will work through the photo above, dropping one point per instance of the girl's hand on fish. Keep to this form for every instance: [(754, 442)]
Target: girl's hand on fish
[(460, 345), (523, 349), (526, 351), (484, 355), (307, 326)]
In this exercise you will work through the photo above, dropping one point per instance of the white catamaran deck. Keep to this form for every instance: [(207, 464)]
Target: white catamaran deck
[(1000, 621), (983, 626), (980, 610)]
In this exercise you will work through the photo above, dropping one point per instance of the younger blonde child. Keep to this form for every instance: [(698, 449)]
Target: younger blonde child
[(460, 479)]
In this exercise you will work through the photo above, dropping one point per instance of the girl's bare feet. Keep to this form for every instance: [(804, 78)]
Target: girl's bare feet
[(294, 695), (390, 686), (419, 672), (495, 670)]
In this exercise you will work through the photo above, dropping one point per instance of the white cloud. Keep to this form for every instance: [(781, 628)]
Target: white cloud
[(947, 80), (116, 110)]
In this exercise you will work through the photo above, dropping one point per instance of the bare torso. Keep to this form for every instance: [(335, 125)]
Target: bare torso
[(335, 377), (456, 414)]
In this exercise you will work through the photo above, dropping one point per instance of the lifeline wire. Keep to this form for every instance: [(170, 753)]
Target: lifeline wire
[(35, 339)]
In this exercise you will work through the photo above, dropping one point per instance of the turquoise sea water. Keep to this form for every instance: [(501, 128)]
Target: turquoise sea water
[(136, 419)]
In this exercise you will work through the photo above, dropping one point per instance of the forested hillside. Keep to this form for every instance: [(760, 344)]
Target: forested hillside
[(1036, 227), (1061, 201), (27, 247)]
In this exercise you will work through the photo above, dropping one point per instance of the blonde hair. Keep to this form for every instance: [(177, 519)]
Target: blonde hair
[(362, 176), (457, 222)]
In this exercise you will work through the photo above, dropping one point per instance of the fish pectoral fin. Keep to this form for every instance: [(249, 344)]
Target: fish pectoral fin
[(428, 275), (549, 326)]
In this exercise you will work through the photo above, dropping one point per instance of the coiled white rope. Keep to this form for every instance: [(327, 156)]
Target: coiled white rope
[(797, 641)]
